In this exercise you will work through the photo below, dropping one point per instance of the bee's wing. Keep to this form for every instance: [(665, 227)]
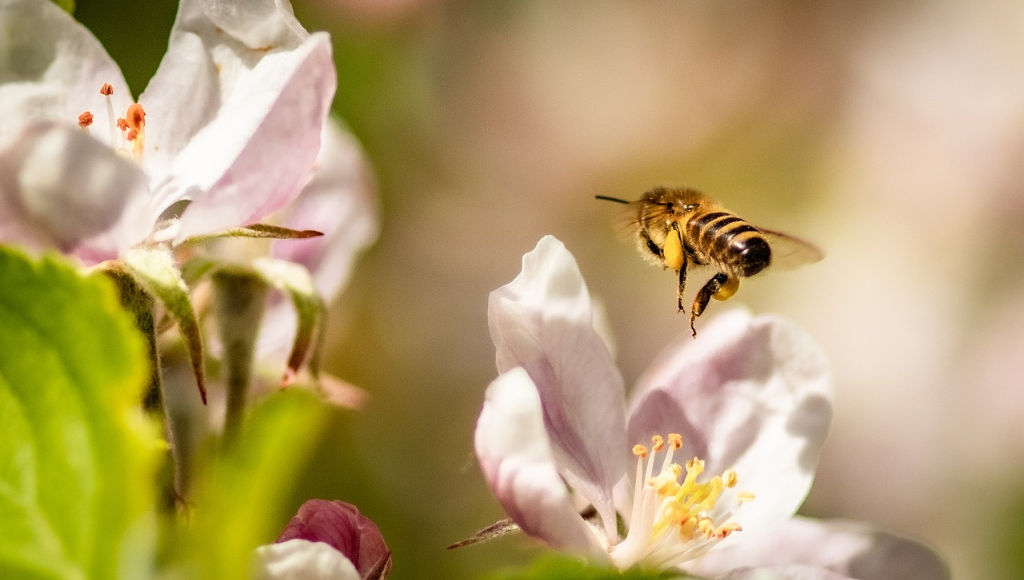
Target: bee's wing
[(789, 251)]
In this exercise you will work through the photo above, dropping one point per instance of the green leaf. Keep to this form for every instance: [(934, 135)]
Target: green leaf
[(239, 503), (154, 268), (77, 456), (558, 566)]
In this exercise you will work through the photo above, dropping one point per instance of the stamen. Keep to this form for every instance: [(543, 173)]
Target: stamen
[(84, 120), (106, 90), (136, 117), (675, 518)]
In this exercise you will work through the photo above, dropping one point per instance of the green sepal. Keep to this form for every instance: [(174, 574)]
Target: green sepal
[(294, 280), (253, 231), (154, 268), (78, 456)]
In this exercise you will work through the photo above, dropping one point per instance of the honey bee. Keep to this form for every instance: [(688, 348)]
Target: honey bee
[(681, 227)]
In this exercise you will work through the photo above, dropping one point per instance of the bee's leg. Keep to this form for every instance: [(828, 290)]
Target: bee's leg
[(721, 286), (682, 282), (651, 246)]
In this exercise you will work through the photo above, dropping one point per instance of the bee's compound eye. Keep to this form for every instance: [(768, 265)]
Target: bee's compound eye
[(728, 289), (673, 250)]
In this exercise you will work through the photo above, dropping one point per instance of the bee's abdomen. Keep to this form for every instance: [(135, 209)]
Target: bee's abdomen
[(730, 242)]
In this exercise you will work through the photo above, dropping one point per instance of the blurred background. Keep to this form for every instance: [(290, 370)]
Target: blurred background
[(890, 134)]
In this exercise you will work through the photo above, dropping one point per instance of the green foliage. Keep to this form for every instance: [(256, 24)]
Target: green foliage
[(155, 270), (77, 458), (243, 484), (557, 566), (67, 5)]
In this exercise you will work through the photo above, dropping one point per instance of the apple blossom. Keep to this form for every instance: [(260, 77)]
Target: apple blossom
[(745, 408), (231, 123)]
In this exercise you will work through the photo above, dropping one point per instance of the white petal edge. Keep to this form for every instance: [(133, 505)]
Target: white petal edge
[(301, 560), (65, 190), (843, 547), (52, 68), (749, 394), (543, 321), (518, 464)]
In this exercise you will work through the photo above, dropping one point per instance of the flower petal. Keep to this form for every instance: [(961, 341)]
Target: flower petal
[(63, 189), (52, 68), (300, 560), (340, 525), (543, 321), (517, 461), (338, 201), (235, 127), (749, 394), (785, 572), (848, 548)]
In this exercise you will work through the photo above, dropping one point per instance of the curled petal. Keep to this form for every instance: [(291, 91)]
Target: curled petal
[(340, 525), (543, 321), (236, 128), (52, 68), (750, 394), (301, 559), (848, 549), (63, 189), (517, 462)]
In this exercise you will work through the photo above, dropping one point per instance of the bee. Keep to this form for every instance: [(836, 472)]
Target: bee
[(681, 227)]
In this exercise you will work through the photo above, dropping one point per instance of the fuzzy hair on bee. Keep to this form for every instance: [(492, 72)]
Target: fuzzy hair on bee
[(681, 227)]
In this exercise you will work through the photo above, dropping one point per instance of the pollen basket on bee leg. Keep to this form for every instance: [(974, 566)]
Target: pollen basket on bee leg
[(673, 250)]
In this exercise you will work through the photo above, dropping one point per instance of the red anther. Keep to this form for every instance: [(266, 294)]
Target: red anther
[(106, 90), (85, 119)]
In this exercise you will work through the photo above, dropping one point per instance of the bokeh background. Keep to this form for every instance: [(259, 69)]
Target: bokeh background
[(890, 133)]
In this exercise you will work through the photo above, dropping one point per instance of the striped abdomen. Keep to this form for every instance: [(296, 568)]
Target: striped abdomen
[(727, 241)]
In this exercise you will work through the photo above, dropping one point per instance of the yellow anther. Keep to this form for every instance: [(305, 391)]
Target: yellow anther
[(136, 117), (639, 451), (723, 531), (695, 466), (658, 442), (730, 478), (745, 496), (675, 440)]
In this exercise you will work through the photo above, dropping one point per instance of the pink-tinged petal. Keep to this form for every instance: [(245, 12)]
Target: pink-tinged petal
[(543, 322), (52, 68), (749, 394), (301, 560), (338, 201), (340, 525), (235, 127), (518, 463), (847, 548), (785, 572), (63, 189)]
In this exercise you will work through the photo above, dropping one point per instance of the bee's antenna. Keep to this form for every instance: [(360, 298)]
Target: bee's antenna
[(607, 198)]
